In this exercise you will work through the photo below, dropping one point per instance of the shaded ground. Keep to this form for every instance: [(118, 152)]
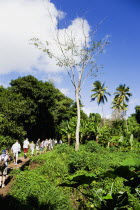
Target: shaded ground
[(21, 162)]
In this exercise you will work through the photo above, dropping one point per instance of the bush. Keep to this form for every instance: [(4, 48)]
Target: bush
[(63, 148), (54, 166), (93, 146)]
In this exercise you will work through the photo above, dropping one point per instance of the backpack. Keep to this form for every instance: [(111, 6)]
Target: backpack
[(2, 162)]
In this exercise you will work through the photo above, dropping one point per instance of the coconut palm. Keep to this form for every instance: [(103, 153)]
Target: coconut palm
[(119, 109), (122, 95), (120, 100), (118, 105), (99, 93)]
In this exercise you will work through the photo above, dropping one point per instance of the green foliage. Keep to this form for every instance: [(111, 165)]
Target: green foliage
[(131, 140), (100, 92), (105, 134), (30, 106), (131, 162), (121, 97), (94, 177), (67, 129), (93, 146), (63, 148), (52, 166), (6, 142), (36, 192), (133, 126), (137, 114)]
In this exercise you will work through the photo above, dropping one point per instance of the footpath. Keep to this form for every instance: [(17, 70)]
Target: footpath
[(21, 163)]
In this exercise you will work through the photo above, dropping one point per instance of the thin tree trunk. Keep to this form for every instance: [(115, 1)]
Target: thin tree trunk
[(69, 139), (126, 126), (108, 144), (78, 120), (103, 115), (97, 138)]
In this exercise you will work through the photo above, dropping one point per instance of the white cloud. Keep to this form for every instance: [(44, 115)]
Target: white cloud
[(96, 109), (65, 91), (55, 78), (21, 20), (92, 109)]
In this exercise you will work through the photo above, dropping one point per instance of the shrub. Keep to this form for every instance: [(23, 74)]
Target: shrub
[(93, 146), (63, 148)]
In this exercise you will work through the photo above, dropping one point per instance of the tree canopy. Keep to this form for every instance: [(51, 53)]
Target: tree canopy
[(33, 108)]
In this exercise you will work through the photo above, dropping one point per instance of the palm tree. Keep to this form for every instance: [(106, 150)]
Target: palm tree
[(122, 95), (121, 98), (99, 93), (119, 109)]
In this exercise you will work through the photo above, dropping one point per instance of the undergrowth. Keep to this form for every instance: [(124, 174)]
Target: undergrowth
[(92, 178)]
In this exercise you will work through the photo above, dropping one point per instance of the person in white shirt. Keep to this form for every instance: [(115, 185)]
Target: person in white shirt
[(16, 149), (26, 144), (32, 147)]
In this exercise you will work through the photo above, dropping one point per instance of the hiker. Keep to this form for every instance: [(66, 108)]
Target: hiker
[(46, 142), (38, 142), (32, 147), (25, 147), (60, 141), (4, 158), (50, 144), (16, 148), (53, 143), (37, 147), (41, 146)]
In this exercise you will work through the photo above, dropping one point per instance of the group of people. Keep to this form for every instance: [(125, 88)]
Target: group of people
[(45, 145), (35, 148)]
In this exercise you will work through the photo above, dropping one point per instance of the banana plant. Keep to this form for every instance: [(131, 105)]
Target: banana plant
[(68, 128)]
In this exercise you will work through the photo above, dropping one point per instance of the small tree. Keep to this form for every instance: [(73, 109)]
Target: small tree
[(67, 128), (76, 56)]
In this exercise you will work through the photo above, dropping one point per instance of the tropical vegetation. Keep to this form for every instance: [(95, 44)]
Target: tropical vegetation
[(103, 174)]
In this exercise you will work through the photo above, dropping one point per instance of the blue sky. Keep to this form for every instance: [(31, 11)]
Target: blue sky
[(121, 59)]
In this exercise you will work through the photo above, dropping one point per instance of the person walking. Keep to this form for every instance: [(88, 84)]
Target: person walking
[(41, 146), (46, 142), (16, 148), (37, 146), (4, 158), (25, 147), (32, 147)]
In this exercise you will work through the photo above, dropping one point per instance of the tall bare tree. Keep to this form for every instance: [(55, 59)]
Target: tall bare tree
[(76, 56)]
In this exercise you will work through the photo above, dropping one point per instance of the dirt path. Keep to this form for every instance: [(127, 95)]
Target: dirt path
[(21, 162)]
